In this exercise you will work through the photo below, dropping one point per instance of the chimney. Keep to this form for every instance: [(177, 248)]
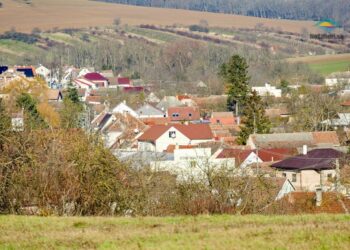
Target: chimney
[(318, 196), (238, 120), (177, 146), (304, 149)]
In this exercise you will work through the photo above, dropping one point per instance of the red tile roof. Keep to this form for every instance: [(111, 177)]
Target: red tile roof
[(276, 154), (191, 131), (123, 80), (266, 155), (346, 103), (171, 148), (94, 76), (239, 154), (182, 97), (94, 99), (183, 114)]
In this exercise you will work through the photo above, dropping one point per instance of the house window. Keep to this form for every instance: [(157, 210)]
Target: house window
[(189, 114), (329, 177), (217, 121), (175, 115), (284, 175), (172, 134), (193, 164), (294, 177)]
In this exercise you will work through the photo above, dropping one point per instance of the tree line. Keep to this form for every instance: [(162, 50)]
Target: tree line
[(288, 9)]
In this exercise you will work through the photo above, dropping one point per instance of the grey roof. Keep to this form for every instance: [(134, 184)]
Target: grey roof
[(342, 120), (297, 139), (169, 101), (317, 159), (140, 159), (149, 110)]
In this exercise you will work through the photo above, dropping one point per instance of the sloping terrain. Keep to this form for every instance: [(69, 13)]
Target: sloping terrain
[(48, 14)]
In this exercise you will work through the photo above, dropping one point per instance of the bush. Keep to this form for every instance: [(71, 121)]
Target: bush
[(198, 28), (22, 37)]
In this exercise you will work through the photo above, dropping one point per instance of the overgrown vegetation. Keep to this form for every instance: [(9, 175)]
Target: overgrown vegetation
[(22, 37)]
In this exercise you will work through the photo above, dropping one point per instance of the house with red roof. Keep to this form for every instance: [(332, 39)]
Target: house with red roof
[(99, 80), (180, 114), (159, 137), (246, 157)]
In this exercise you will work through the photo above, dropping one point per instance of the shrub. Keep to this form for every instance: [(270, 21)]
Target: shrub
[(198, 28)]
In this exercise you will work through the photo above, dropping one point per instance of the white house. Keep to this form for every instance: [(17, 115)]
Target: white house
[(311, 169), (268, 90), (193, 164), (123, 108), (43, 71), (84, 71), (159, 137), (84, 83), (338, 78)]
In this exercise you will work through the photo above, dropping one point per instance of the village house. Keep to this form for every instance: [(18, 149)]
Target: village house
[(122, 108), (338, 78), (268, 90), (167, 102), (53, 95), (246, 157), (149, 111), (159, 137), (310, 170), (222, 118), (341, 121), (193, 163), (181, 114), (43, 71), (99, 80)]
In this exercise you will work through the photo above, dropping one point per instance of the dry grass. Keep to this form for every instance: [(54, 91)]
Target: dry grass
[(47, 14), (202, 232)]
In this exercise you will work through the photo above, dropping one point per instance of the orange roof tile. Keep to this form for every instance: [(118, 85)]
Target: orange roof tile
[(191, 131)]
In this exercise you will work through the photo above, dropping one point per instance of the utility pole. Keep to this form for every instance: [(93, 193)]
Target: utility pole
[(337, 175)]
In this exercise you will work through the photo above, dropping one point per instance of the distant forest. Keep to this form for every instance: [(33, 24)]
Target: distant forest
[(338, 10)]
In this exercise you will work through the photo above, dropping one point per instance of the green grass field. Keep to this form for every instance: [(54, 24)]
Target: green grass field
[(326, 64), (202, 232), (326, 68)]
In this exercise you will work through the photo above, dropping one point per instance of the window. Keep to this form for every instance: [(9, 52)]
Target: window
[(294, 177), (172, 134), (175, 115), (193, 164), (190, 114), (329, 177), (217, 121), (284, 175)]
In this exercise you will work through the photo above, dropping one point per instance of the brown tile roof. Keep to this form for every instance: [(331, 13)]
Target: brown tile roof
[(191, 131), (94, 98), (327, 137), (222, 115), (183, 114), (171, 148)]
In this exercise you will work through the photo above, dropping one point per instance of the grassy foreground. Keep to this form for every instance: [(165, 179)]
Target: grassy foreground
[(202, 232)]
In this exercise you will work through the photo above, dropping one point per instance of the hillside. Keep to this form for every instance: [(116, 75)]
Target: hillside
[(84, 13), (201, 232)]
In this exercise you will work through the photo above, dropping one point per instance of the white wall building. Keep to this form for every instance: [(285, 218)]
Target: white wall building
[(268, 90), (193, 164)]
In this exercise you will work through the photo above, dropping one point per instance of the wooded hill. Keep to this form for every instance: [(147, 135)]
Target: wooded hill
[(288, 9)]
